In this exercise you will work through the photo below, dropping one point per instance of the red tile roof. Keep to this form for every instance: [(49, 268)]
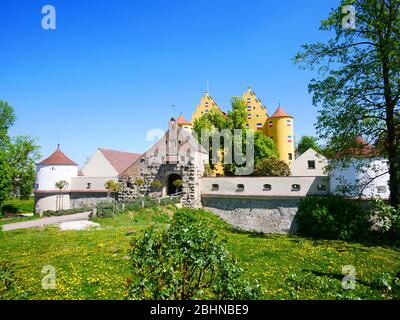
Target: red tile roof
[(58, 158), (120, 160), (280, 112), (181, 120)]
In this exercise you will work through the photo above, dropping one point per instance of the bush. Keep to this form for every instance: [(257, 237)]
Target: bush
[(272, 168), (387, 219), (50, 213), (332, 218), (186, 261), (7, 281)]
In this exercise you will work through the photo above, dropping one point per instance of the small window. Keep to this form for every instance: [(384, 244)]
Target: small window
[(240, 187), (321, 187), (247, 125), (215, 187), (290, 156), (289, 139), (267, 187), (37, 186), (248, 108), (270, 124), (206, 110), (248, 99), (89, 185), (311, 164), (249, 116), (382, 189), (142, 160), (289, 123), (296, 187), (259, 125), (206, 103)]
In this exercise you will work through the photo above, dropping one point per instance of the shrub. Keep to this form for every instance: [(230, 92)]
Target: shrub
[(387, 219), (272, 168), (332, 218), (7, 281), (186, 261), (50, 213)]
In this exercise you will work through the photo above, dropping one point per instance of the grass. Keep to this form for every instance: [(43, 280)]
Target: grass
[(93, 264), (21, 206)]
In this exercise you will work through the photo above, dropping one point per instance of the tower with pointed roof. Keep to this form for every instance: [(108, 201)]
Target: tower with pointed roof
[(280, 129), (57, 167)]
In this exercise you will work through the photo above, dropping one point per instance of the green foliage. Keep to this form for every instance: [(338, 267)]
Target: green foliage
[(272, 168), (388, 217), (307, 142), (156, 184), (18, 206), (113, 186), (65, 212), (7, 281), (264, 148), (333, 218), (61, 184), (186, 261), (23, 153), (358, 79), (5, 185), (178, 183), (237, 116), (139, 182), (7, 120)]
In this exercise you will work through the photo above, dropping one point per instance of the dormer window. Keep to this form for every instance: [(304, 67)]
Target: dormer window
[(311, 164)]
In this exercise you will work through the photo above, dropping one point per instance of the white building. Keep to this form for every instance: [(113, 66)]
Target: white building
[(309, 164), (364, 178)]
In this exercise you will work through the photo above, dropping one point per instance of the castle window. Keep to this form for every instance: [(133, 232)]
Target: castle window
[(142, 160), (215, 187), (249, 116), (270, 124), (259, 125), (267, 187), (206, 110), (37, 186), (248, 99), (290, 156), (206, 103), (240, 188), (289, 139), (289, 123), (382, 189), (311, 164), (89, 185), (321, 187), (248, 108), (247, 125), (296, 187)]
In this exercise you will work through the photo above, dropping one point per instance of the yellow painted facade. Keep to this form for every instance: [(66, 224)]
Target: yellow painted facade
[(279, 127), (256, 113), (207, 103)]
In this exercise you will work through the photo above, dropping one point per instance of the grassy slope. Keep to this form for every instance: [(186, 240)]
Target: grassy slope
[(25, 206), (93, 265)]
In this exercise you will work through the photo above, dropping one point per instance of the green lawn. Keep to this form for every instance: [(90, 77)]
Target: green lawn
[(93, 264), (23, 206)]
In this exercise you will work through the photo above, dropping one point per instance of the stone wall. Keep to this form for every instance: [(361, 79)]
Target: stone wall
[(85, 199), (266, 215)]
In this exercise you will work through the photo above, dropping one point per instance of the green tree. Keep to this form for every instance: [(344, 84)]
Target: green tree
[(60, 185), (264, 148), (307, 142), (23, 152), (113, 187), (5, 185), (272, 168), (7, 120), (187, 261), (358, 84), (237, 116)]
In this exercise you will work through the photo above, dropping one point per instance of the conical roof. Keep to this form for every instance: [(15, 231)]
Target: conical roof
[(182, 121), (58, 158), (280, 112)]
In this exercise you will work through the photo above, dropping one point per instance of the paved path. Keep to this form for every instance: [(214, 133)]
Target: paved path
[(46, 221)]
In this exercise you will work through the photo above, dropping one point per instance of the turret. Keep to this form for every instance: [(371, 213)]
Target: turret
[(53, 169), (280, 129)]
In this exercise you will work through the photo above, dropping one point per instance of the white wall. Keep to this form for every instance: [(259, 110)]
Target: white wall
[(98, 166), (299, 167), (48, 175), (96, 183), (254, 187), (350, 180)]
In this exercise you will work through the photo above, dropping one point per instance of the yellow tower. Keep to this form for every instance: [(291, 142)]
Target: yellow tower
[(184, 124), (256, 113), (280, 129), (207, 103)]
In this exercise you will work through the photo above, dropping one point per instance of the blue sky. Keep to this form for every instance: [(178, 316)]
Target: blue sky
[(112, 69)]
